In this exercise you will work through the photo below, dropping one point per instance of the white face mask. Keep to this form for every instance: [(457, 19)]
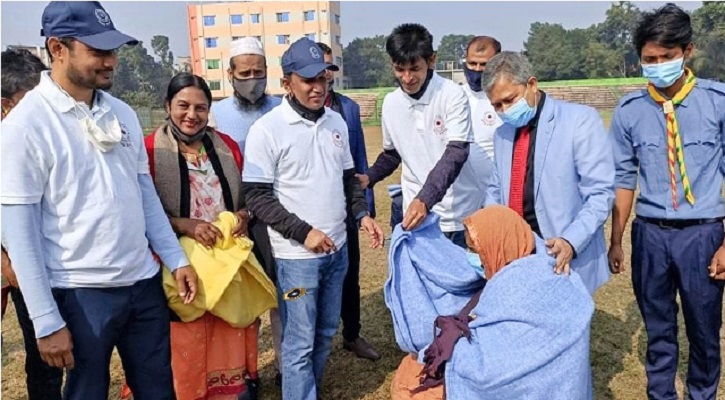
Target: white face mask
[(104, 139)]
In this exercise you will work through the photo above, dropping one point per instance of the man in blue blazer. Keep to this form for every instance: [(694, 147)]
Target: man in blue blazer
[(553, 165), (350, 312)]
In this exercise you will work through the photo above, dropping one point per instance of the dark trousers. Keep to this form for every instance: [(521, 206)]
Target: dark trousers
[(44, 382), (133, 319), (666, 262), (350, 312), (457, 237)]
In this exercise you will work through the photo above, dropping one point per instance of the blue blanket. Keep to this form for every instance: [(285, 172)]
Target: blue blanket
[(530, 338), (428, 276)]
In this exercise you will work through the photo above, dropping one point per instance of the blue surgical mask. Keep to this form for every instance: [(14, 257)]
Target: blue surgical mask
[(519, 114), (664, 75), (475, 260)]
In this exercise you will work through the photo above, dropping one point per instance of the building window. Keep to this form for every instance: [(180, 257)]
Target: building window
[(212, 64), (255, 18), (282, 39), (236, 19), (309, 15), (311, 36), (209, 20), (283, 17), (337, 19), (215, 85), (338, 61), (210, 42), (338, 40)]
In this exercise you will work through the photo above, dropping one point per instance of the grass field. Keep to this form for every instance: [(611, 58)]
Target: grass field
[(617, 343)]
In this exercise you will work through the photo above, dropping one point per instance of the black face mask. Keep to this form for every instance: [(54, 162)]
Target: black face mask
[(473, 78), (417, 95), (306, 113), (178, 134)]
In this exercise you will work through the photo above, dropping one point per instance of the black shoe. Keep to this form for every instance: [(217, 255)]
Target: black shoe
[(252, 392)]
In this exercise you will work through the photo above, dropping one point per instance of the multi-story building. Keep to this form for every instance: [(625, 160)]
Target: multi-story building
[(213, 26)]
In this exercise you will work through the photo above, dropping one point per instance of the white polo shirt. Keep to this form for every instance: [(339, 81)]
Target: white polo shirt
[(304, 161), (420, 131), (484, 119), (93, 226)]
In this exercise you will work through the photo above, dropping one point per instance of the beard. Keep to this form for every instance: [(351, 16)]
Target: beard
[(77, 78), (246, 105)]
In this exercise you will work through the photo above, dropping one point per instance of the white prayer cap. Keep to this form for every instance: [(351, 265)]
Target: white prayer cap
[(247, 45)]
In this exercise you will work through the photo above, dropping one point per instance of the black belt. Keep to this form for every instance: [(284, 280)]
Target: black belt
[(679, 223)]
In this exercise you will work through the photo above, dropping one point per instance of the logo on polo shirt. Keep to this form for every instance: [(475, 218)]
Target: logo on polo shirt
[(102, 17), (125, 137), (337, 139), (439, 126), (489, 118)]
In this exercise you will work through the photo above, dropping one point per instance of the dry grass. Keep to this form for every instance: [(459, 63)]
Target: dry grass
[(617, 345)]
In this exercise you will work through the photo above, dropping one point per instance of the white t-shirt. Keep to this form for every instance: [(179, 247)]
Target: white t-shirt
[(484, 119), (420, 131), (304, 161), (93, 227)]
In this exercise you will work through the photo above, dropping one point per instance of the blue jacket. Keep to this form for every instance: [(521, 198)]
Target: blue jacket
[(573, 182), (351, 114)]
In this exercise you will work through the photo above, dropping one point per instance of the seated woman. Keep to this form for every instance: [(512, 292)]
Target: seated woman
[(526, 337), (197, 174)]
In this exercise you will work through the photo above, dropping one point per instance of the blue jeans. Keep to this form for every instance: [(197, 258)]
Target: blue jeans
[(310, 297), (135, 320)]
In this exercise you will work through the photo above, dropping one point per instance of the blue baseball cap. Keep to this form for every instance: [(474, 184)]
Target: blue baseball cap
[(86, 21), (304, 58)]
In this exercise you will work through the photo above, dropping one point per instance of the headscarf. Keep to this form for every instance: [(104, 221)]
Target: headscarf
[(499, 236)]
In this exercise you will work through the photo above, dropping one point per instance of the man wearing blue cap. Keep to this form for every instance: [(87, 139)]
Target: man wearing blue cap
[(299, 179), (79, 212)]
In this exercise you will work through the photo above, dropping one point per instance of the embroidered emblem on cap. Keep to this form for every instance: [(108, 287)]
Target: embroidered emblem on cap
[(295, 294), (337, 139), (489, 118), (439, 127), (102, 17), (314, 53)]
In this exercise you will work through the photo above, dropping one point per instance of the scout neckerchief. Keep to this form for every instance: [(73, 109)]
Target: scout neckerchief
[(674, 140)]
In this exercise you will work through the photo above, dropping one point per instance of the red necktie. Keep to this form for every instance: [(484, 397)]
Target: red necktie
[(518, 171)]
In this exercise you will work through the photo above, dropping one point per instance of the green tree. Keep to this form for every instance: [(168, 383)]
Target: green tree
[(138, 77), (709, 36), (600, 61), (616, 33), (453, 48), (367, 64), (556, 53)]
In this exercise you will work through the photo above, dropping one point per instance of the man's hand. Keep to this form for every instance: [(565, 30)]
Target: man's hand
[(186, 283), (561, 249), (616, 259), (717, 265), (363, 179), (7, 270), (56, 349), (417, 211), (371, 227), (203, 232), (318, 242), (242, 220)]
